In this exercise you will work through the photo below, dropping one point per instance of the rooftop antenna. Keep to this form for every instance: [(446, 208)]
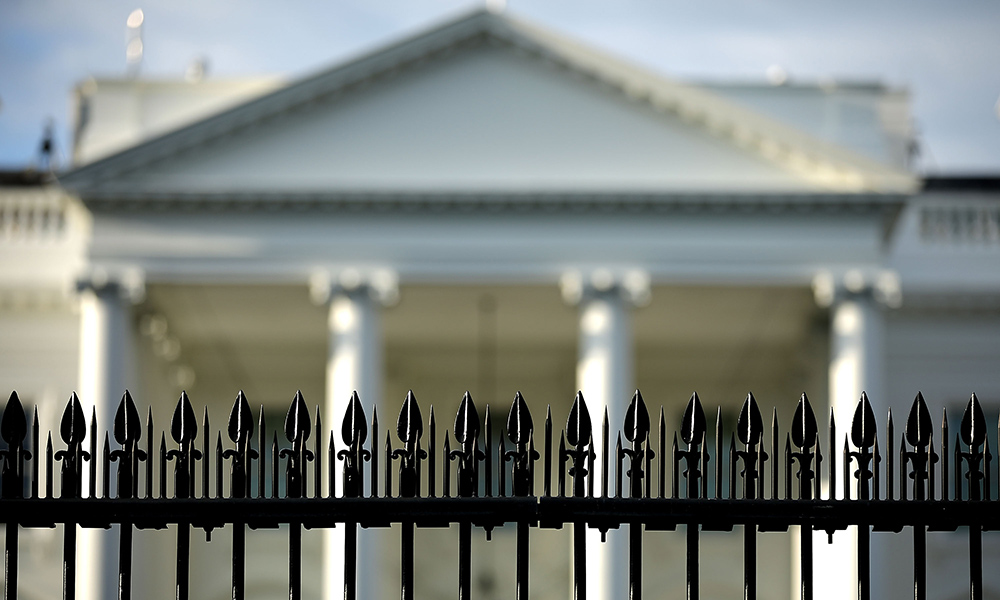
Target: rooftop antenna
[(133, 43), (47, 147)]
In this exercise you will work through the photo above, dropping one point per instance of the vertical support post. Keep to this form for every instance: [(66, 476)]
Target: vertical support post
[(605, 375), (856, 300), (105, 369), (354, 364)]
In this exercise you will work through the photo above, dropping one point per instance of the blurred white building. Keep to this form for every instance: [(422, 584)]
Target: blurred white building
[(489, 206)]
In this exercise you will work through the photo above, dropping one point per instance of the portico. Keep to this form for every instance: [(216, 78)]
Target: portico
[(491, 208)]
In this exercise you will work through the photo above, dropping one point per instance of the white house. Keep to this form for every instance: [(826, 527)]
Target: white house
[(489, 206)]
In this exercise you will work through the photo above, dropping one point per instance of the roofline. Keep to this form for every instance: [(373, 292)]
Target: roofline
[(828, 165), (962, 183), (492, 202)]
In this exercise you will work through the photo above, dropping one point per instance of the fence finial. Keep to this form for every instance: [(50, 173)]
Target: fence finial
[(804, 428), (467, 434), (354, 432), (750, 425), (297, 430), (128, 431), (13, 430), (519, 431), (409, 428), (693, 422), (636, 419)]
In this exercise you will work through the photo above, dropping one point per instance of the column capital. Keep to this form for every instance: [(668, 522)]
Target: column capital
[(379, 285), (631, 285), (879, 285), (128, 282)]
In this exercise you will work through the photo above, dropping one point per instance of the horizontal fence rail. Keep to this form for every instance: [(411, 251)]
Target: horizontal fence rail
[(355, 478)]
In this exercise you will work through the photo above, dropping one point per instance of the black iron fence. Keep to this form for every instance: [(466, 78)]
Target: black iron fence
[(351, 479)]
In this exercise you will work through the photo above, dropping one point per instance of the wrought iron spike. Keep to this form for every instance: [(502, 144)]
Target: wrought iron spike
[(240, 420), (863, 427), (466, 420), (804, 428), (578, 428), (297, 423), (693, 424), (973, 427), (14, 425), (636, 419), (73, 428), (750, 425), (918, 423), (354, 430), (519, 425), (184, 424), (409, 425), (128, 429)]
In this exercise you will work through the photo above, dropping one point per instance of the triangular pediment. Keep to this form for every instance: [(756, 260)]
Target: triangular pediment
[(484, 105)]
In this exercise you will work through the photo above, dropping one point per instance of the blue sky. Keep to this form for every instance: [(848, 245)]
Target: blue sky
[(946, 53)]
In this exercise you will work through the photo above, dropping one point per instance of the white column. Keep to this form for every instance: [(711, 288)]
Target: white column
[(857, 302), (354, 363), (105, 369), (605, 375)]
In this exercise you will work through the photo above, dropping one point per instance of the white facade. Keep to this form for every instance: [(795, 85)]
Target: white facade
[(490, 207)]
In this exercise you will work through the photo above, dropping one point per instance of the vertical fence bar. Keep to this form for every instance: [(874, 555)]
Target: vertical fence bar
[(13, 429), (36, 457), (354, 432), (973, 433), (522, 560), (465, 560), (294, 561), (636, 431), (918, 432), (547, 472), (750, 428), (693, 428), (864, 435), (468, 457), (718, 453), (239, 560), (805, 435), (69, 561), (409, 428), (73, 432), (10, 562), (578, 434), (520, 431), (183, 560)]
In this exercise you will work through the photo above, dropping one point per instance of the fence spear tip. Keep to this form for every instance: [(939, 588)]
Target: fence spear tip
[(183, 425), (409, 424), (636, 419), (973, 427), (73, 428), (863, 427), (297, 423), (354, 430), (466, 421), (578, 427), (918, 423), (240, 420), (804, 428), (519, 424), (750, 424), (14, 425), (128, 428)]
